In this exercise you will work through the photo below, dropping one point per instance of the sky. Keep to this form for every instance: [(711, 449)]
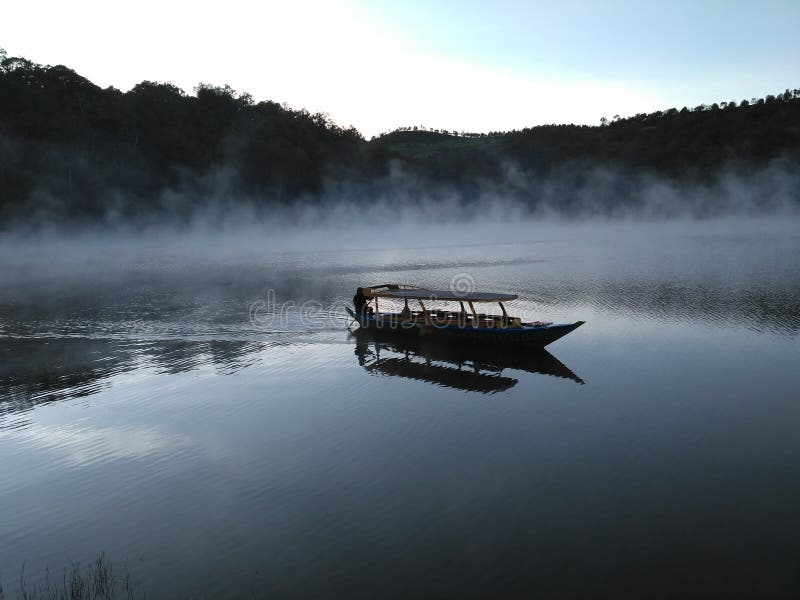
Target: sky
[(466, 66)]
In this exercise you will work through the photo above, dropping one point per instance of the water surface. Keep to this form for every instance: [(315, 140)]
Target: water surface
[(144, 413)]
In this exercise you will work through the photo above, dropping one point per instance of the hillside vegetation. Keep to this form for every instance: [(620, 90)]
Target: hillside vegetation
[(69, 148)]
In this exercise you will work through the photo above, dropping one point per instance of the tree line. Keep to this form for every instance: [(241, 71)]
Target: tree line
[(69, 148)]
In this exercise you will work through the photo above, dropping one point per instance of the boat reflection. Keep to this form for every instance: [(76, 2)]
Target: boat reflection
[(461, 366)]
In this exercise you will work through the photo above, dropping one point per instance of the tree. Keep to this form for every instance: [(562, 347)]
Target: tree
[(65, 138)]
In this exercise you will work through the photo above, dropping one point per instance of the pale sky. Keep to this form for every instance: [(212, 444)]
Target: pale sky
[(472, 66)]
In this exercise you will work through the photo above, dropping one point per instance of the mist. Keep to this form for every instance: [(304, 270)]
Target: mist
[(212, 204)]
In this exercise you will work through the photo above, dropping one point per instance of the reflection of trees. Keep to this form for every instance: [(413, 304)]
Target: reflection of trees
[(177, 356), (469, 367), (41, 370), (34, 371)]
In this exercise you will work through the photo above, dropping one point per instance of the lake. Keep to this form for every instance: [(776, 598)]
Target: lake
[(197, 409)]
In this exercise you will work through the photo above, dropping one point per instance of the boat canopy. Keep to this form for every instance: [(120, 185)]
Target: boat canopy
[(433, 295)]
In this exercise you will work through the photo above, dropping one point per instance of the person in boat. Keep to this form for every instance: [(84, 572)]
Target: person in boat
[(405, 314), (360, 303)]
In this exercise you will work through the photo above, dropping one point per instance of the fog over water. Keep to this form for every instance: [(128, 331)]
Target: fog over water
[(145, 413), (572, 191)]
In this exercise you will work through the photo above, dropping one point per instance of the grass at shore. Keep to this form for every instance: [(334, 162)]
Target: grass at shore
[(96, 581)]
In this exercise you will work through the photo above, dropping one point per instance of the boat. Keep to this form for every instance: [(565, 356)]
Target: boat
[(446, 363), (462, 324)]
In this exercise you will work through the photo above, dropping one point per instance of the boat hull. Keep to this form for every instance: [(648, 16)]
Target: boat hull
[(538, 336)]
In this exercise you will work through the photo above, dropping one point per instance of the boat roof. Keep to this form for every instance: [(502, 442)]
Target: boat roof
[(433, 295)]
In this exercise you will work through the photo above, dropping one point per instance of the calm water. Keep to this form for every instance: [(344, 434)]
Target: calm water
[(656, 450)]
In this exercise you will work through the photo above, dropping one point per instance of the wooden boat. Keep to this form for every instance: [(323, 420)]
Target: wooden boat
[(462, 324)]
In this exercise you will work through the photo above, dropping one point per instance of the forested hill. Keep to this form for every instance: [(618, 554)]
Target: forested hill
[(69, 148)]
